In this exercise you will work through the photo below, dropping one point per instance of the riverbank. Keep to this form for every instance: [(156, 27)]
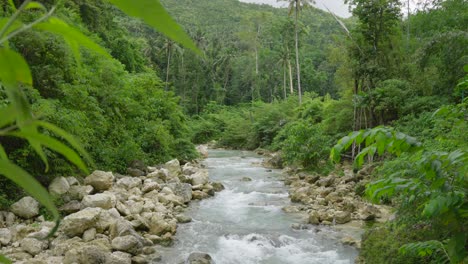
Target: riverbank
[(333, 200), (109, 218)]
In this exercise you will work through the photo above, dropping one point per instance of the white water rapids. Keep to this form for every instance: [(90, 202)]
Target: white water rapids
[(244, 224)]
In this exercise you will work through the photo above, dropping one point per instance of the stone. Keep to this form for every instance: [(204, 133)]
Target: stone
[(72, 181), (200, 177), (246, 179), (368, 212), (290, 209), (89, 234), (75, 224), (135, 172), (183, 218), (129, 244), (314, 218), (342, 217), (351, 242), (199, 258), (26, 208), (202, 150), (129, 183), (34, 246), (159, 226), (10, 218), (121, 227), (100, 180), (217, 186), (59, 186), (326, 182), (119, 257), (170, 198), (5, 236), (86, 255), (188, 169), (150, 186), (79, 191), (199, 195), (183, 190), (173, 167), (101, 200), (71, 207)]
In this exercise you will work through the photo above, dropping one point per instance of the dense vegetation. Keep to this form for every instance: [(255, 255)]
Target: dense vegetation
[(404, 77)]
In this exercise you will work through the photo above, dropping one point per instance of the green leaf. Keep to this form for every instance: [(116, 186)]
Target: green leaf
[(35, 5), (154, 14), (54, 145), (12, 4), (69, 138), (14, 68), (72, 36), (7, 115), (3, 154), (29, 184)]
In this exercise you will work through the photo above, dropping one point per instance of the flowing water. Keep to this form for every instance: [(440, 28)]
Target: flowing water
[(244, 223)]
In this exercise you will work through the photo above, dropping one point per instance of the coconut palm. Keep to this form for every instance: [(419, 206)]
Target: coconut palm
[(295, 7)]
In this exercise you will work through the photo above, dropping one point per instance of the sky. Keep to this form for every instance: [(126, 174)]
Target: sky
[(336, 6)]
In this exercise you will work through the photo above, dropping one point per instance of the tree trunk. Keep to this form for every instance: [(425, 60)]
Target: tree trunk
[(291, 88), (299, 91), (284, 81)]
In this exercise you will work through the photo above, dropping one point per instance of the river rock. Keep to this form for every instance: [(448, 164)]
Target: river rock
[(314, 218), (101, 200), (79, 191), (202, 150), (129, 183), (89, 234), (135, 172), (342, 217), (119, 257), (100, 180), (71, 207), (129, 244), (59, 186), (183, 218), (183, 190), (217, 186), (200, 177), (199, 195), (75, 224), (27, 207), (34, 246), (173, 167), (5, 236), (246, 179), (199, 258), (149, 186), (86, 255)]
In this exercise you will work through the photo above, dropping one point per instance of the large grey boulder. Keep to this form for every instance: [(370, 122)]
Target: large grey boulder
[(27, 207), (5, 236), (173, 167), (199, 258), (34, 246), (89, 254), (200, 177), (129, 183), (59, 186), (75, 224), (183, 190), (100, 180), (102, 200), (129, 244)]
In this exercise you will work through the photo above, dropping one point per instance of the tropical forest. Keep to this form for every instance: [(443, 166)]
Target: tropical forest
[(221, 131)]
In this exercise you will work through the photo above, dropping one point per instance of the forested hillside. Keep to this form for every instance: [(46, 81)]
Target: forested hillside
[(127, 92)]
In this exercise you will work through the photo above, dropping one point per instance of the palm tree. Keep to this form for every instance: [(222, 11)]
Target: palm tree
[(296, 6)]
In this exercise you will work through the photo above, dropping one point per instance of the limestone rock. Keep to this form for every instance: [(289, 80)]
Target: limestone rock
[(129, 183), (5, 236), (342, 217), (202, 150), (79, 191), (183, 218), (100, 180), (75, 224), (217, 186), (199, 195), (86, 255), (118, 257), (27, 207), (200, 177), (314, 218), (199, 258), (173, 167), (183, 190), (34, 246), (71, 207), (101, 200), (59, 186), (127, 244), (89, 235)]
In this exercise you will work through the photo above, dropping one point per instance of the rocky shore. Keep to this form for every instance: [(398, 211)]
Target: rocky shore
[(109, 218), (331, 200)]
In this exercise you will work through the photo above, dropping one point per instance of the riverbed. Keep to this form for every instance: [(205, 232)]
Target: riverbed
[(244, 224)]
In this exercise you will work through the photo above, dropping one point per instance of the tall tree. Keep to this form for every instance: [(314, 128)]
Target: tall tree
[(296, 6)]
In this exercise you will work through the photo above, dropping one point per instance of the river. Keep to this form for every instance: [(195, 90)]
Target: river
[(244, 223)]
